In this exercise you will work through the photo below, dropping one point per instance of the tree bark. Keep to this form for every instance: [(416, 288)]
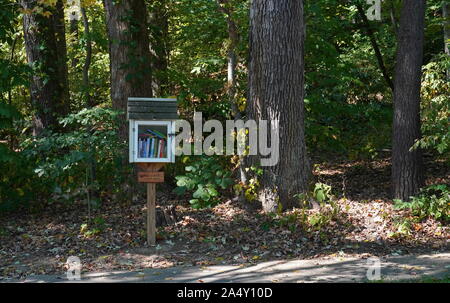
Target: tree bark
[(87, 62), (407, 166), (74, 28), (60, 30), (392, 16), (276, 92), (45, 46), (11, 60), (129, 51), (233, 35), (74, 37)]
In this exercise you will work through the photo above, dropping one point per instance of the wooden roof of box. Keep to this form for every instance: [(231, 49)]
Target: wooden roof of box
[(152, 109)]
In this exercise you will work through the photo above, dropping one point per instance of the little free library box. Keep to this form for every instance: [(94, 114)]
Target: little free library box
[(152, 145), (152, 128)]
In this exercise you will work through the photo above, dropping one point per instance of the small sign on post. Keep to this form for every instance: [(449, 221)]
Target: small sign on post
[(151, 177), (152, 145)]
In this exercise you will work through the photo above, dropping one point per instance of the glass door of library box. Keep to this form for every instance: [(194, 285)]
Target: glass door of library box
[(153, 141)]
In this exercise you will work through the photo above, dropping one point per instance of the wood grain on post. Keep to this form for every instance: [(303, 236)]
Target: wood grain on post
[(151, 177), (151, 201), (151, 213)]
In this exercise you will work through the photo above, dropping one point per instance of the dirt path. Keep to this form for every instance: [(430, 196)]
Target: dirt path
[(294, 271)]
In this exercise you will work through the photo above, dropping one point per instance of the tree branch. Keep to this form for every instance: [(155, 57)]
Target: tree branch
[(375, 46)]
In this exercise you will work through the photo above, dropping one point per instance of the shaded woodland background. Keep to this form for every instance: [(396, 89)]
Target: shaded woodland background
[(64, 84), (66, 187)]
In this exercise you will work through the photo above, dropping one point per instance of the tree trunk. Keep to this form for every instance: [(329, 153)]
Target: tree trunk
[(446, 15), (87, 62), (74, 38), (232, 58), (375, 46), (45, 46), (129, 54), (11, 60), (74, 28), (407, 166), (392, 16), (233, 36), (60, 30), (276, 92), (159, 31)]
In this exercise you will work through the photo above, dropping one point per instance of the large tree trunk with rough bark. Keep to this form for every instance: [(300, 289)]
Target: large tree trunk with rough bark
[(45, 46), (130, 66), (276, 92), (407, 166), (129, 51)]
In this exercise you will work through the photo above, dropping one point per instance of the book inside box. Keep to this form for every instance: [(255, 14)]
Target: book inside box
[(152, 141)]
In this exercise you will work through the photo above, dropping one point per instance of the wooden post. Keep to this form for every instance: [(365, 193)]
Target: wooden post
[(151, 180), (151, 213)]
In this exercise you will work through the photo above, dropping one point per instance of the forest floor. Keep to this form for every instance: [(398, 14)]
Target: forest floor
[(229, 234)]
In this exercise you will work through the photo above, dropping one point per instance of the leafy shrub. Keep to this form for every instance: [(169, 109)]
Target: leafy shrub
[(320, 193), (402, 227), (18, 185), (62, 166), (355, 130), (97, 226), (250, 188), (204, 177), (433, 201), (435, 107), (81, 158), (308, 219)]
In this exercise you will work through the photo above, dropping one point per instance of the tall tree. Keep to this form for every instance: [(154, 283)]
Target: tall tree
[(376, 48), (407, 166), (73, 30), (129, 51), (45, 45), (225, 7), (276, 92), (61, 44), (393, 17), (87, 33)]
